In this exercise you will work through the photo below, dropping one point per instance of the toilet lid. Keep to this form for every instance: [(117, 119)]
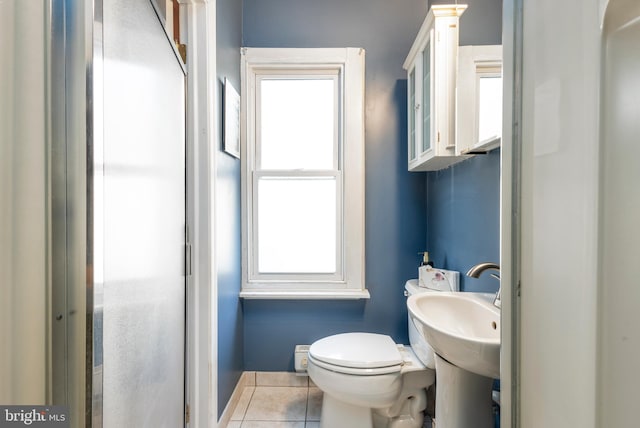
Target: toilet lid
[(357, 350)]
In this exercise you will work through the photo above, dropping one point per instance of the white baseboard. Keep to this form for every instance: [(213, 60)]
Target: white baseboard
[(246, 379)]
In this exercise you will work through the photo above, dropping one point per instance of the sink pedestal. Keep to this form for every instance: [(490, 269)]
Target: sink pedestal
[(463, 399)]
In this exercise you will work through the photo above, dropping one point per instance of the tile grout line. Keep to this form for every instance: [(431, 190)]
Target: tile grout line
[(255, 388), (306, 409), (244, 414)]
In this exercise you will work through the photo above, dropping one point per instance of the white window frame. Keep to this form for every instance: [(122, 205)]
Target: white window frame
[(348, 65)]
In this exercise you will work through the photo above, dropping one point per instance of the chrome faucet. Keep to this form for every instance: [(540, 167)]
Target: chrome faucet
[(477, 270)]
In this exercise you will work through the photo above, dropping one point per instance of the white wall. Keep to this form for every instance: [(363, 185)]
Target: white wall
[(24, 202), (620, 212), (559, 256), (580, 299)]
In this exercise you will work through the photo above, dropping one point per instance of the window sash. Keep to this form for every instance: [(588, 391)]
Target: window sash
[(290, 73), (254, 274), (295, 73)]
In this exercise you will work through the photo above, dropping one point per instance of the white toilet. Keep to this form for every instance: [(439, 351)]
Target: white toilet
[(369, 381)]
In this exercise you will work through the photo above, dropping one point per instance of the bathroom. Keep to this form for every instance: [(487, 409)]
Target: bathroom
[(454, 213), (537, 206)]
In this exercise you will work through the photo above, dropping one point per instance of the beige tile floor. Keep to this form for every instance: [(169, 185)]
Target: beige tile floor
[(278, 400)]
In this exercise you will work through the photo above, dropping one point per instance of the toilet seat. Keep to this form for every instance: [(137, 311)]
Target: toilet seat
[(363, 354), (355, 371)]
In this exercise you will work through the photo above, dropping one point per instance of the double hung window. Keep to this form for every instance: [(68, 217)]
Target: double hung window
[(303, 173)]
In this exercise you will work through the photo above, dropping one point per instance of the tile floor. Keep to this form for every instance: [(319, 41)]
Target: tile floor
[(278, 400)]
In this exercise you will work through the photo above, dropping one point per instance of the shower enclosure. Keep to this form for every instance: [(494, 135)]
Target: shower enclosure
[(118, 225)]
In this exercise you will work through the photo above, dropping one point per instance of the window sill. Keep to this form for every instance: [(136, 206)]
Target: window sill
[(305, 295)]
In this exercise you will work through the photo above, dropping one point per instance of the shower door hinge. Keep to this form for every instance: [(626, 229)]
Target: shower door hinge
[(187, 259), (187, 414), (187, 251)]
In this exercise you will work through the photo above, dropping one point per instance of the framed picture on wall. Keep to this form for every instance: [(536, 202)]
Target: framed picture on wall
[(231, 119)]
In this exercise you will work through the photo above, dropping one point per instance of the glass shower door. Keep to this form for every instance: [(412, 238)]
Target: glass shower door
[(138, 220)]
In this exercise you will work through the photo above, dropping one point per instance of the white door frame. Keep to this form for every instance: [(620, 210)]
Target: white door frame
[(510, 210), (199, 17)]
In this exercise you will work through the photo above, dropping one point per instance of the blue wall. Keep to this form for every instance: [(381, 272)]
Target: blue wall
[(405, 212), (463, 218), (230, 322), (395, 204)]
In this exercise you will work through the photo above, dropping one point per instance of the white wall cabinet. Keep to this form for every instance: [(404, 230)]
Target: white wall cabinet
[(479, 99), (432, 67)]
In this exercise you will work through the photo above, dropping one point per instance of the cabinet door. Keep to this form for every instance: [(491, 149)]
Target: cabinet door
[(420, 105), (426, 100), (411, 115), (431, 68), (479, 99)]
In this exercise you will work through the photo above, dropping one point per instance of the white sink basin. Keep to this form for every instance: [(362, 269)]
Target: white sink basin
[(463, 328)]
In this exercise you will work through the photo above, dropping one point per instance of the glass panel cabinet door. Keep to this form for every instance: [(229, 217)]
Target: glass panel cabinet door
[(411, 114), (489, 107), (426, 98), (479, 99), (432, 72)]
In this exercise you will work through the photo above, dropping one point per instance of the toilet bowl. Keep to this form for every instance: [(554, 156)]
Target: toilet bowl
[(368, 381)]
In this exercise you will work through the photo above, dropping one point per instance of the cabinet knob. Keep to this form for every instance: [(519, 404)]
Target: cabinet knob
[(417, 106)]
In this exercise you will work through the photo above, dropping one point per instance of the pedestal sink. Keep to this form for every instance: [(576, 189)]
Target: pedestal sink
[(464, 331)]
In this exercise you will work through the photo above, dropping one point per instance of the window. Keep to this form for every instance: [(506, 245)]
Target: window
[(303, 173)]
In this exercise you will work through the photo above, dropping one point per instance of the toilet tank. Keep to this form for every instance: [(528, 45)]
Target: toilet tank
[(419, 344)]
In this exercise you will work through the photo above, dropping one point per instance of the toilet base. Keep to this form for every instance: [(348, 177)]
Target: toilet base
[(406, 413), (338, 414)]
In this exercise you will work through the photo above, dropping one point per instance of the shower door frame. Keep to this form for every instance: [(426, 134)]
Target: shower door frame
[(72, 28)]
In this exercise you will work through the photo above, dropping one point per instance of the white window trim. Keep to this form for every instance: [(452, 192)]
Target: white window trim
[(351, 284)]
